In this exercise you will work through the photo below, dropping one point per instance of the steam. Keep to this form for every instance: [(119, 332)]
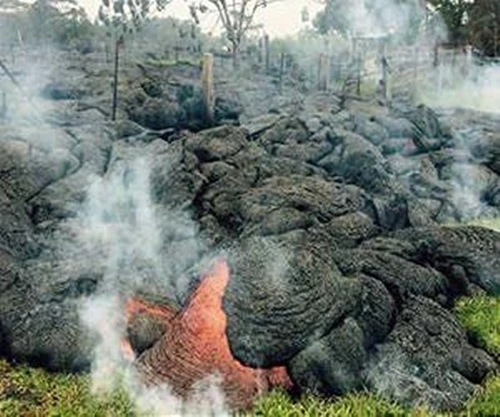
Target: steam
[(459, 82), (119, 221), (379, 18), (392, 375), (119, 229), (476, 88), (22, 104)]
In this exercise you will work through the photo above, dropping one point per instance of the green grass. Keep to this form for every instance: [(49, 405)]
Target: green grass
[(481, 316), (360, 405), (489, 223), (26, 391)]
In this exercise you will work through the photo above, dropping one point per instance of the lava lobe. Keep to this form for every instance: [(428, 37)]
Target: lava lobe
[(195, 346)]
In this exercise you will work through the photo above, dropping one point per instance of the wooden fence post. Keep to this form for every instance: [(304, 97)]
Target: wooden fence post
[(323, 72), (416, 60), (176, 49), (282, 70), (266, 53), (3, 109), (357, 62), (435, 61), (207, 85), (118, 44), (386, 79)]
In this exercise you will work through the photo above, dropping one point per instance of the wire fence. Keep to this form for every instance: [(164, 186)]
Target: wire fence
[(369, 68), (364, 71)]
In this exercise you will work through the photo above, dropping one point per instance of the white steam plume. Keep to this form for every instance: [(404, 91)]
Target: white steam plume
[(120, 229)]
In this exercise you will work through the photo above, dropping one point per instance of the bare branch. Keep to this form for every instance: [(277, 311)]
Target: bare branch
[(237, 16)]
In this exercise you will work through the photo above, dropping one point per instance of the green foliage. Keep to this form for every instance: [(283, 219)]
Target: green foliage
[(46, 21), (490, 223), (122, 16), (279, 404), (345, 17), (332, 18), (467, 21), (171, 38), (484, 26), (486, 403), (26, 391), (454, 14), (481, 316)]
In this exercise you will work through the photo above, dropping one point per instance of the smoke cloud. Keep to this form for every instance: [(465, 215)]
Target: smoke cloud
[(379, 18), (121, 232)]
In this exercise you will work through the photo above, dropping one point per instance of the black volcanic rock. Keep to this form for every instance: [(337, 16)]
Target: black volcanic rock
[(340, 270)]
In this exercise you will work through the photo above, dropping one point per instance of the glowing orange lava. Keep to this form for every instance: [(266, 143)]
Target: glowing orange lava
[(135, 306), (196, 346)]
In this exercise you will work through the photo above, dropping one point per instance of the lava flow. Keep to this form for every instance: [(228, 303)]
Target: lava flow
[(195, 346)]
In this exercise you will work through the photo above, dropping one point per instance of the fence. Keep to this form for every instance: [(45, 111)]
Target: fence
[(372, 67)]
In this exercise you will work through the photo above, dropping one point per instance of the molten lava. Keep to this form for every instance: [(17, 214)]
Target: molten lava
[(195, 347), (135, 306)]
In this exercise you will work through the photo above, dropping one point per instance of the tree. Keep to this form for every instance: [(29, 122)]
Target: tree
[(484, 26), (455, 15), (12, 6), (371, 18), (56, 22), (236, 16), (12, 13), (333, 18)]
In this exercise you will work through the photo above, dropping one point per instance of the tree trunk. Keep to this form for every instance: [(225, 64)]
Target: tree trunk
[(236, 56)]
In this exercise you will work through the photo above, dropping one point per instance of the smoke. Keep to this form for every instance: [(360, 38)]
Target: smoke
[(458, 82), (392, 375), (476, 87), (119, 221), (379, 18), (22, 104), (121, 232), (419, 70)]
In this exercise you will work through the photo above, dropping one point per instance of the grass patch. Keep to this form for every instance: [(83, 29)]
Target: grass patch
[(26, 391), (361, 405), (486, 403), (489, 223), (481, 316)]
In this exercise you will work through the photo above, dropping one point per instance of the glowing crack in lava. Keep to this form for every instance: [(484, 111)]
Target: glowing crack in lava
[(195, 346)]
